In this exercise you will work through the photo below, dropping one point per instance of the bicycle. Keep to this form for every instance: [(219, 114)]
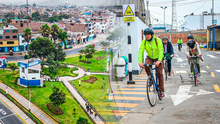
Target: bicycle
[(166, 56), (179, 46), (152, 89), (195, 68)]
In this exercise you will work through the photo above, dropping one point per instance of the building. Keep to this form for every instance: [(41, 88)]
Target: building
[(9, 39), (194, 22), (30, 73)]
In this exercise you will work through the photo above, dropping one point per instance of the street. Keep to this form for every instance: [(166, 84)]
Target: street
[(183, 102), (7, 116)]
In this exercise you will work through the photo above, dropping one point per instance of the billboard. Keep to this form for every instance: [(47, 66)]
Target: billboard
[(3, 62)]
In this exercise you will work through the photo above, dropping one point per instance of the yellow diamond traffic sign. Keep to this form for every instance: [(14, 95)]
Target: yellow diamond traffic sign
[(128, 11)]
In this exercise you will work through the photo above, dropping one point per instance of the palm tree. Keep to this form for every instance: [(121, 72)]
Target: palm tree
[(55, 31), (27, 35), (63, 35), (45, 30)]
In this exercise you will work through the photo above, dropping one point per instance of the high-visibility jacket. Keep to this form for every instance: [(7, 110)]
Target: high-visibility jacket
[(180, 41), (154, 51)]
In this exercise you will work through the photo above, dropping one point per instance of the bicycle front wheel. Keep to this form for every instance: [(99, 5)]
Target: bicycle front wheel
[(151, 91)]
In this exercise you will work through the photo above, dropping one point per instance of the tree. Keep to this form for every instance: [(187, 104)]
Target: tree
[(45, 30), (55, 31), (53, 19), (88, 52), (42, 47), (57, 97), (13, 67), (60, 54), (27, 35), (63, 35), (36, 16), (82, 121), (104, 44), (52, 69)]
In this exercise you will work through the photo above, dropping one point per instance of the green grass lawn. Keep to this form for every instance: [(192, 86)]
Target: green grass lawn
[(40, 96), (97, 95), (95, 66), (61, 72)]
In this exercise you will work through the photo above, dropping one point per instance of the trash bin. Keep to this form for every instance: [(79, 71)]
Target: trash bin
[(121, 67), (217, 45)]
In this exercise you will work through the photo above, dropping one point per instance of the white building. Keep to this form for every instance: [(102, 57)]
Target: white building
[(194, 22), (30, 73)]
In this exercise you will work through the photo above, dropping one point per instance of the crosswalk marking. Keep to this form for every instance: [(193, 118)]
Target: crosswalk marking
[(135, 93), (135, 85), (132, 89), (217, 70), (207, 66), (216, 88), (129, 98), (212, 74), (203, 71)]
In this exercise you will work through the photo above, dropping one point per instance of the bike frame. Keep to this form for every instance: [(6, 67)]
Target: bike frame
[(152, 75)]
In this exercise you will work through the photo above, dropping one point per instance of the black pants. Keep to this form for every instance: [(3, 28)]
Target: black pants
[(169, 65)]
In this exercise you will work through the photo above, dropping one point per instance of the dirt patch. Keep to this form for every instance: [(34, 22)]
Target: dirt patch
[(54, 110), (91, 80), (100, 58)]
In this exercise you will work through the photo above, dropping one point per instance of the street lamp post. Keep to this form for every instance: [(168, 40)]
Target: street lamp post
[(57, 48), (164, 13)]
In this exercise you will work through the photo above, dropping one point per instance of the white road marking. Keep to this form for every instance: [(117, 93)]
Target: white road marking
[(217, 70), (179, 60), (3, 112), (181, 71), (203, 92), (203, 71), (211, 56), (181, 95)]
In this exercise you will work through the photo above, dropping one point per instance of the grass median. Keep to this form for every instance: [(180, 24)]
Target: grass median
[(61, 72), (40, 97), (96, 94)]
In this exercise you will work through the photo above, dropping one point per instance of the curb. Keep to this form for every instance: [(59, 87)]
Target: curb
[(21, 118)]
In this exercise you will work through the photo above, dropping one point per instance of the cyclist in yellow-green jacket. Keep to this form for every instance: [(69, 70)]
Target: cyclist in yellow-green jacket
[(179, 42), (155, 53)]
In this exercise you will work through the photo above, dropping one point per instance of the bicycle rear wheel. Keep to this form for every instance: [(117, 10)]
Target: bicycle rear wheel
[(166, 69), (195, 74), (151, 92)]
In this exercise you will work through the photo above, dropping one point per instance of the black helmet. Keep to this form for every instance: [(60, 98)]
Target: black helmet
[(179, 38), (164, 38), (190, 37), (148, 31)]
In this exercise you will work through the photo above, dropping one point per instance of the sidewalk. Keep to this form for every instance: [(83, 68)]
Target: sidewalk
[(34, 109), (73, 91), (16, 110)]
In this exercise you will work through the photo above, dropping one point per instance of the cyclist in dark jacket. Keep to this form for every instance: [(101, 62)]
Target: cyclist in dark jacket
[(168, 51)]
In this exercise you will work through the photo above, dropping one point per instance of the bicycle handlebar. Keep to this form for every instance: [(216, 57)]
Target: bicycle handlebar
[(151, 64)]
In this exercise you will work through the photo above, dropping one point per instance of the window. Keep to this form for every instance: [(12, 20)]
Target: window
[(14, 31), (16, 21), (21, 24), (33, 77), (1, 43), (23, 41), (10, 42), (23, 70), (31, 71), (7, 37), (7, 31), (1, 37), (23, 77), (15, 36)]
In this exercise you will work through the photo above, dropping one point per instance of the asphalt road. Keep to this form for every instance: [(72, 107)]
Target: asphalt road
[(73, 51), (7, 116), (184, 103)]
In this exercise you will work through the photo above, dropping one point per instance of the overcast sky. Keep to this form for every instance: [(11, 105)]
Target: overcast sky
[(183, 8)]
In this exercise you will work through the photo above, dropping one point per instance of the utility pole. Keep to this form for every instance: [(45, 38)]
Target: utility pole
[(213, 12), (147, 4), (164, 14), (27, 11)]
